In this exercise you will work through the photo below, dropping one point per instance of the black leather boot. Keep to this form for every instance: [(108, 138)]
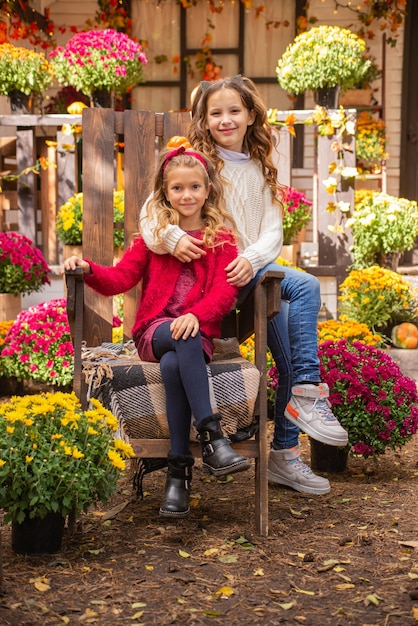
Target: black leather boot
[(218, 456), (177, 486)]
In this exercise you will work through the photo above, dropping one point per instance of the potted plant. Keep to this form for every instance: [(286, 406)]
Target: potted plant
[(297, 213), (38, 345), (9, 385), (378, 297), (361, 93), (55, 458), (99, 60), (23, 72), (371, 398), (370, 141), (334, 330), (382, 225), (69, 222), (324, 57), (23, 270), (64, 98)]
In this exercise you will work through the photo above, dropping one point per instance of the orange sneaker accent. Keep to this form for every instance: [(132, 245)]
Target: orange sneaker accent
[(293, 412)]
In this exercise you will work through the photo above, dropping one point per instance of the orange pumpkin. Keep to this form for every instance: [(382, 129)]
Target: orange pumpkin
[(177, 141), (405, 335)]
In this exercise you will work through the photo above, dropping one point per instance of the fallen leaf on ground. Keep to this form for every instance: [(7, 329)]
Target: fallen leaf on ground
[(287, 605), (41, 584), (113, 512), (225, 592), (184, 554), (409, 544)]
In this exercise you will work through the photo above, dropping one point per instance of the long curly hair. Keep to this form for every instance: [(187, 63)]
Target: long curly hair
[(258, 141), (214, 217)]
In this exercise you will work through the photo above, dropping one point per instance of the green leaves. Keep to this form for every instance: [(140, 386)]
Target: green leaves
[(323, 56), (381, 224), (23, 70)]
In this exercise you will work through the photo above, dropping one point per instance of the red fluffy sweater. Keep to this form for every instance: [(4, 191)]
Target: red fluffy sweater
[(210, 299)]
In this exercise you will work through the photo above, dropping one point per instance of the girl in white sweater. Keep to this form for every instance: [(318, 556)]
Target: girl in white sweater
[(229, 124)]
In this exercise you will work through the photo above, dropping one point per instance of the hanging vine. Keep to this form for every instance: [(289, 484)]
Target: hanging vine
[(389, 15)]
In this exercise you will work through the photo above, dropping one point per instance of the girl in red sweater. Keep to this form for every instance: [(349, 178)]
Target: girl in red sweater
[(180, 311)]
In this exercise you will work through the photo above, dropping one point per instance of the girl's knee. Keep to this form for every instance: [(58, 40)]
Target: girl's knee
[(314, 285), (305, 283), (169, 364)]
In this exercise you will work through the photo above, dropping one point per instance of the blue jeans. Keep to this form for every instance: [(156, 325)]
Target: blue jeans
[(292, 337)]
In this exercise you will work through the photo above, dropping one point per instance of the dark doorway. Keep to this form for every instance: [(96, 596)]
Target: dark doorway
[(409, 133), (408, 184)]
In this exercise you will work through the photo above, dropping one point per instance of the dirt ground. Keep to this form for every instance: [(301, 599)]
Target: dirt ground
[(347, 558)]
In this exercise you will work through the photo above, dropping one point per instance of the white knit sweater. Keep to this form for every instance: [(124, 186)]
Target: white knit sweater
[(257, 217)]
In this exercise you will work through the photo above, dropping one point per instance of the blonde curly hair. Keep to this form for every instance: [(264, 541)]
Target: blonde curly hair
[(213, 215)]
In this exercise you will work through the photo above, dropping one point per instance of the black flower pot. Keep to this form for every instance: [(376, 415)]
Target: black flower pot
[(327, 97), (10, 386), (20, 103), (37, 536), (326, 458), (101, 99)]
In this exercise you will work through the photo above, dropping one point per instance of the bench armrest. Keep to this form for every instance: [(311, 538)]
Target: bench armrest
[(270, 282), (74, 280)]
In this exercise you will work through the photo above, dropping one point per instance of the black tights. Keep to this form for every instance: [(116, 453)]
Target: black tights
[(185, 378)]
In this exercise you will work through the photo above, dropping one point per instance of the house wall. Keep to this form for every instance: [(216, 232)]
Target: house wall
[(261, 55)]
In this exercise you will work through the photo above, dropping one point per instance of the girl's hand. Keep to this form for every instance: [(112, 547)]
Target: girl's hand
[(239, 272), (74, 261), (188, 248), (184, 326)]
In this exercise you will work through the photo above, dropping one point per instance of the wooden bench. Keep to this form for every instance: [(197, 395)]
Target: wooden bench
[(142, 133)]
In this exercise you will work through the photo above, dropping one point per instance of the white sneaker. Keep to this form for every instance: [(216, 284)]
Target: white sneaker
[(287, 468), (310, 410)]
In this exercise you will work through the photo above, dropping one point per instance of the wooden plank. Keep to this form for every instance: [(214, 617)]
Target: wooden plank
[(26, 186), (261, 482), (48, 203), (75, 309), (158, 448), (39, 120), (176, 123), (139, 139), (98, 184), (332, 248), (66, 167)]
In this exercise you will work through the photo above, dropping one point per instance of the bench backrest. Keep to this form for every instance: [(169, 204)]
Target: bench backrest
[(140, 134), (135, 137)]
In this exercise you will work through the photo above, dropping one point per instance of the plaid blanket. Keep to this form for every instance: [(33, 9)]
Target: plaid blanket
[(133, 390)]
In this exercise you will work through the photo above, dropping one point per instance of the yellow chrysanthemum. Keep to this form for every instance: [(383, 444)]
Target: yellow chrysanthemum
[(116, 459)]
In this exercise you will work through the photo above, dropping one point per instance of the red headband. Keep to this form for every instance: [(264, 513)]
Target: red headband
[(182, 150)]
